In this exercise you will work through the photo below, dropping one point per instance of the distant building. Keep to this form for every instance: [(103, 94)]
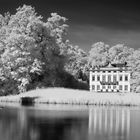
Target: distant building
[(110, 78)]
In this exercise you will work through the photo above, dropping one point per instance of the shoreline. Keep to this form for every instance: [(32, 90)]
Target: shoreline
[(75, 97)]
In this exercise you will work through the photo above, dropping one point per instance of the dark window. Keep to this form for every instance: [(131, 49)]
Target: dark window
[(109, 78), (109, 71), (103, 71), (114, 71), (109, 86), (120, 87), (120, 77), (103, 86), (93, 87), (114, 86), (98, 78), (126, 78), (93, 78), (126, 87), (103, 78), (98, 87), (114, 78)]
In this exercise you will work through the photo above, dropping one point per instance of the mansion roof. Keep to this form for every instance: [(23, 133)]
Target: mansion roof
[(111, 66)]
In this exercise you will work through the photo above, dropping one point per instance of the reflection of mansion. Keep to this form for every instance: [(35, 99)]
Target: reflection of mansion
[(110, 121), (110, 78)]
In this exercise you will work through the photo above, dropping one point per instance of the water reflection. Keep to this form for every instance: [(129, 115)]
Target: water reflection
[(28, 124), (110, 122), (73, 124)]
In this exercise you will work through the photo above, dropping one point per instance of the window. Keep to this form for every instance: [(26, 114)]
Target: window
[(114, 78), (93, 78), (98, 78), (103, 71), (114, 86), (98, 87), (93, 87), (114, 71), (109, 78), (103, 86), (126, 87), (109, 86), (126, 77), (120, 87), (120, 78), (109, 71), (103, 78)]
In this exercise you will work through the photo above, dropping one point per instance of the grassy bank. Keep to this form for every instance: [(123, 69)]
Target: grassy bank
[(69, 96)]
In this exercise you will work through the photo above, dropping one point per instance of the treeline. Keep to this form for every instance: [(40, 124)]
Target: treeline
[(35, 53)]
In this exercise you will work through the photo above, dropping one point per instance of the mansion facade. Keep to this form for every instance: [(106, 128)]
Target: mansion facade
[(110, 78)]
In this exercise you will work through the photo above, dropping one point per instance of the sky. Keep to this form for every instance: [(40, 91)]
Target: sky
[(90, 21)]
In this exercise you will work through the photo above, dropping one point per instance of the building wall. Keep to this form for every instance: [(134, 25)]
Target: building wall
[(95, 84)]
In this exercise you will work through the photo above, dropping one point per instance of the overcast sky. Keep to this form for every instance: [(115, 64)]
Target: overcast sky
[(90, 21)]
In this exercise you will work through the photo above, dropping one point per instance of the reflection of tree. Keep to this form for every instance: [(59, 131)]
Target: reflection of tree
[(22, 124), (9, 129), (66, 128)]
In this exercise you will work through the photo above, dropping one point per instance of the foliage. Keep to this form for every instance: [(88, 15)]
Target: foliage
[(77, 61), (30, 47), (98, 55), (134, 63), (36, 54), (120, 53)]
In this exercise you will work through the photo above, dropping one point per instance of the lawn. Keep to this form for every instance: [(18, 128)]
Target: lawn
[(71, 96)]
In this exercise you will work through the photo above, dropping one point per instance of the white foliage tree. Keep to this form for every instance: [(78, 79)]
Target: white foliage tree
[(134, 63), (77, 60), (30, 46), (98, 55), (120, 53)]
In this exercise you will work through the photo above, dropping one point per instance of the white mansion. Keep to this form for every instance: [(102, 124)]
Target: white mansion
[(110, 78)]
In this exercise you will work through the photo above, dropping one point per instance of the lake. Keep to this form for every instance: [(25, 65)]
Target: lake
[(57, 122)]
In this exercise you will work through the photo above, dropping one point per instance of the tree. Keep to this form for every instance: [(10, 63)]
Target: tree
[(77, 61), (30, 48), (134, 63), (120, 53), (98, 55)]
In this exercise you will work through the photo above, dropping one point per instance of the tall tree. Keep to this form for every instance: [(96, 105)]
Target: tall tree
[(30, 47), (77, 61)]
